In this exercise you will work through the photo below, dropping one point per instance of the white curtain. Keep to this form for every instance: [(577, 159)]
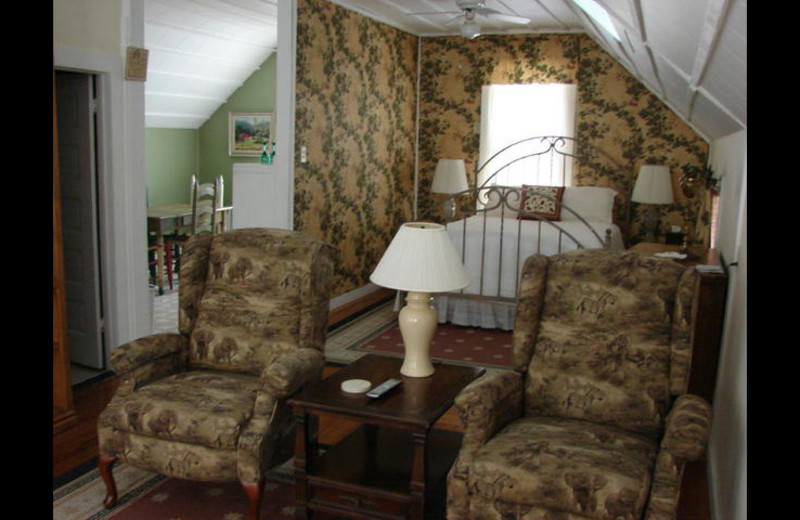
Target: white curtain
[(510, 113)]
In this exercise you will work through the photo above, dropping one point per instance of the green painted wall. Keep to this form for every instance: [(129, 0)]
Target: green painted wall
[(174, 155), (257, 94), (171, 157)]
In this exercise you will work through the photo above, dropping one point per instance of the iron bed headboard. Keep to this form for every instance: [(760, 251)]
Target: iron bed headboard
[(487, 198)]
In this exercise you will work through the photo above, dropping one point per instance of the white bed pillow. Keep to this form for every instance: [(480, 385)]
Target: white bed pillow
[(593, 203)]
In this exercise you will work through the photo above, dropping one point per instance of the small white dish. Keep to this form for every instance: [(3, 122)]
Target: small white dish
[(356, 386)]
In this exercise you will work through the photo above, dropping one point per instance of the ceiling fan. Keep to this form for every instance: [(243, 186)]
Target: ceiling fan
[(469, 8)]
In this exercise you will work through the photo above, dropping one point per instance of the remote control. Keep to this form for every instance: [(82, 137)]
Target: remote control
[(384, 387)]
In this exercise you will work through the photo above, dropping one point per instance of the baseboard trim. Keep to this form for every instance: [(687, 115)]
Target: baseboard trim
[(349, 305), (353, 295)]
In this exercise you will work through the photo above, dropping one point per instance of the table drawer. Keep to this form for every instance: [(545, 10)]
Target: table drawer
[(363, 501)]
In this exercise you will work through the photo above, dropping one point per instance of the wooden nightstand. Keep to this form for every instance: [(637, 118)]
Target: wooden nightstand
[(710, 293)]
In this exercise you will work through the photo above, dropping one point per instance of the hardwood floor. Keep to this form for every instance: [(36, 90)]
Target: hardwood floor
[(78, 445)]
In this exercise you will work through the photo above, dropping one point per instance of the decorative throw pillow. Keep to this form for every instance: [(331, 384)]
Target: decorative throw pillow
[(542, 201)]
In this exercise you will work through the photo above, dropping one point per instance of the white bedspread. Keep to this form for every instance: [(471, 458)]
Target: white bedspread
[(495, 270)]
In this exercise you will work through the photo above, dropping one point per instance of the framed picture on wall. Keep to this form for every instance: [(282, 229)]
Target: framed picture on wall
[(247, 133)]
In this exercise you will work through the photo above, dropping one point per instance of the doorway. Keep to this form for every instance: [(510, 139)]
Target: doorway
[(77, 111)]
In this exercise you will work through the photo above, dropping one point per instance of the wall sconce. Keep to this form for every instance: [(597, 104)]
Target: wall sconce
[(695, 176)]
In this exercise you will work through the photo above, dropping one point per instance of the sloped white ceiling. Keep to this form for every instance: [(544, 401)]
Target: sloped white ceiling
[(201, 51), (691, 53)]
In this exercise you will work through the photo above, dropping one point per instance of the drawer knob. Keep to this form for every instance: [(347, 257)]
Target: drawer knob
[(357, 502)]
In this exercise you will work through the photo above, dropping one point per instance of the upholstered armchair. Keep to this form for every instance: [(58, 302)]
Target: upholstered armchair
[(594, 420), (208, 403)]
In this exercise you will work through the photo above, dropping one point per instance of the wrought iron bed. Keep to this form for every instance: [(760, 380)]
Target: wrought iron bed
[(495, 229)]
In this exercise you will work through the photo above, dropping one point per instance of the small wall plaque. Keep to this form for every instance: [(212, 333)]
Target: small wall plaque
[(136, 64)]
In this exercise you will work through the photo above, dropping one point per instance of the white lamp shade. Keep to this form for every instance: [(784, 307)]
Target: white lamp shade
[(653, 185), (450, 176), (421, 258)]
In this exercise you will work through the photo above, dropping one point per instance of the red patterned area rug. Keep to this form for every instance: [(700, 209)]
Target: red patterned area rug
[(148, 496), (376, 331), (452, 343)]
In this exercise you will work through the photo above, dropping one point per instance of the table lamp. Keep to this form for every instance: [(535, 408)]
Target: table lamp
[(421, 260), (653, 186), (450, 177)]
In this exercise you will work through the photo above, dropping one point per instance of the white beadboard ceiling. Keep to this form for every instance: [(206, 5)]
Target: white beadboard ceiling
[(691, 53), (201, 51)]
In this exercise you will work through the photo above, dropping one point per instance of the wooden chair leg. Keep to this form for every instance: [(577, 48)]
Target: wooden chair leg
[(105, 465), (254, 492), (168, 255)]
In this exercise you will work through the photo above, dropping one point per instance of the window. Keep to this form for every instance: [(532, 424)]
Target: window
[(599, 15), (510, 113)]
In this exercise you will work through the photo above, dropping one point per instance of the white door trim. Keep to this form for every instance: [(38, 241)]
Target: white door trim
[(285, 96), (121, 188)]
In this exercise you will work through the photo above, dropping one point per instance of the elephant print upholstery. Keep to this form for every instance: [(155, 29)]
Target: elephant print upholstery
[(208, 403), (594, 421)]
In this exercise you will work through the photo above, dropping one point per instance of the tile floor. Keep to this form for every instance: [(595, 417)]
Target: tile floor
[(165, 310)]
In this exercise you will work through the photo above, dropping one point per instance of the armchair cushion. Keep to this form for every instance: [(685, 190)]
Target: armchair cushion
[(196, 407), (228, 339), (261, 299), (584, 469), (603, 348)]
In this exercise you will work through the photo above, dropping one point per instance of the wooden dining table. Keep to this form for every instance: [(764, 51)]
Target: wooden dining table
[(178, 215)]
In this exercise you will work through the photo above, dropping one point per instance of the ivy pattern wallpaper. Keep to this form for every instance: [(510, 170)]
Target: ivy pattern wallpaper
[(616, 114), (356, 97), (356, 108)]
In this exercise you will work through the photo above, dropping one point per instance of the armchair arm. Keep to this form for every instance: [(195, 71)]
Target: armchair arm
[(271, 428), (146, 359), (687, 431), (485, 406), (291, 371), (688, 427)]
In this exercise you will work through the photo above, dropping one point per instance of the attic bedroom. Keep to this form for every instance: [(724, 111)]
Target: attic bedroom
[(367, 126), (360, 86), (381, 95)]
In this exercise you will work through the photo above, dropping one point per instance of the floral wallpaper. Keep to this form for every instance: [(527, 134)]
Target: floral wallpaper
[(356, 108), (616, 114), (356, 114)]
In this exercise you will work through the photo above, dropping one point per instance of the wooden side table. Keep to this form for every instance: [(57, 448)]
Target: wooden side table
[(391, 466), (709, 310)]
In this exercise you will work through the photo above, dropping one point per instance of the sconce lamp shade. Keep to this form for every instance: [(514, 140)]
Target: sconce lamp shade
[(653, 185), (450, 176), (421, 258)]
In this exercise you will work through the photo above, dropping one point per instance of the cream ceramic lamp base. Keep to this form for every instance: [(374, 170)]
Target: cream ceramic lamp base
[(417, 322), (421, 260)]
